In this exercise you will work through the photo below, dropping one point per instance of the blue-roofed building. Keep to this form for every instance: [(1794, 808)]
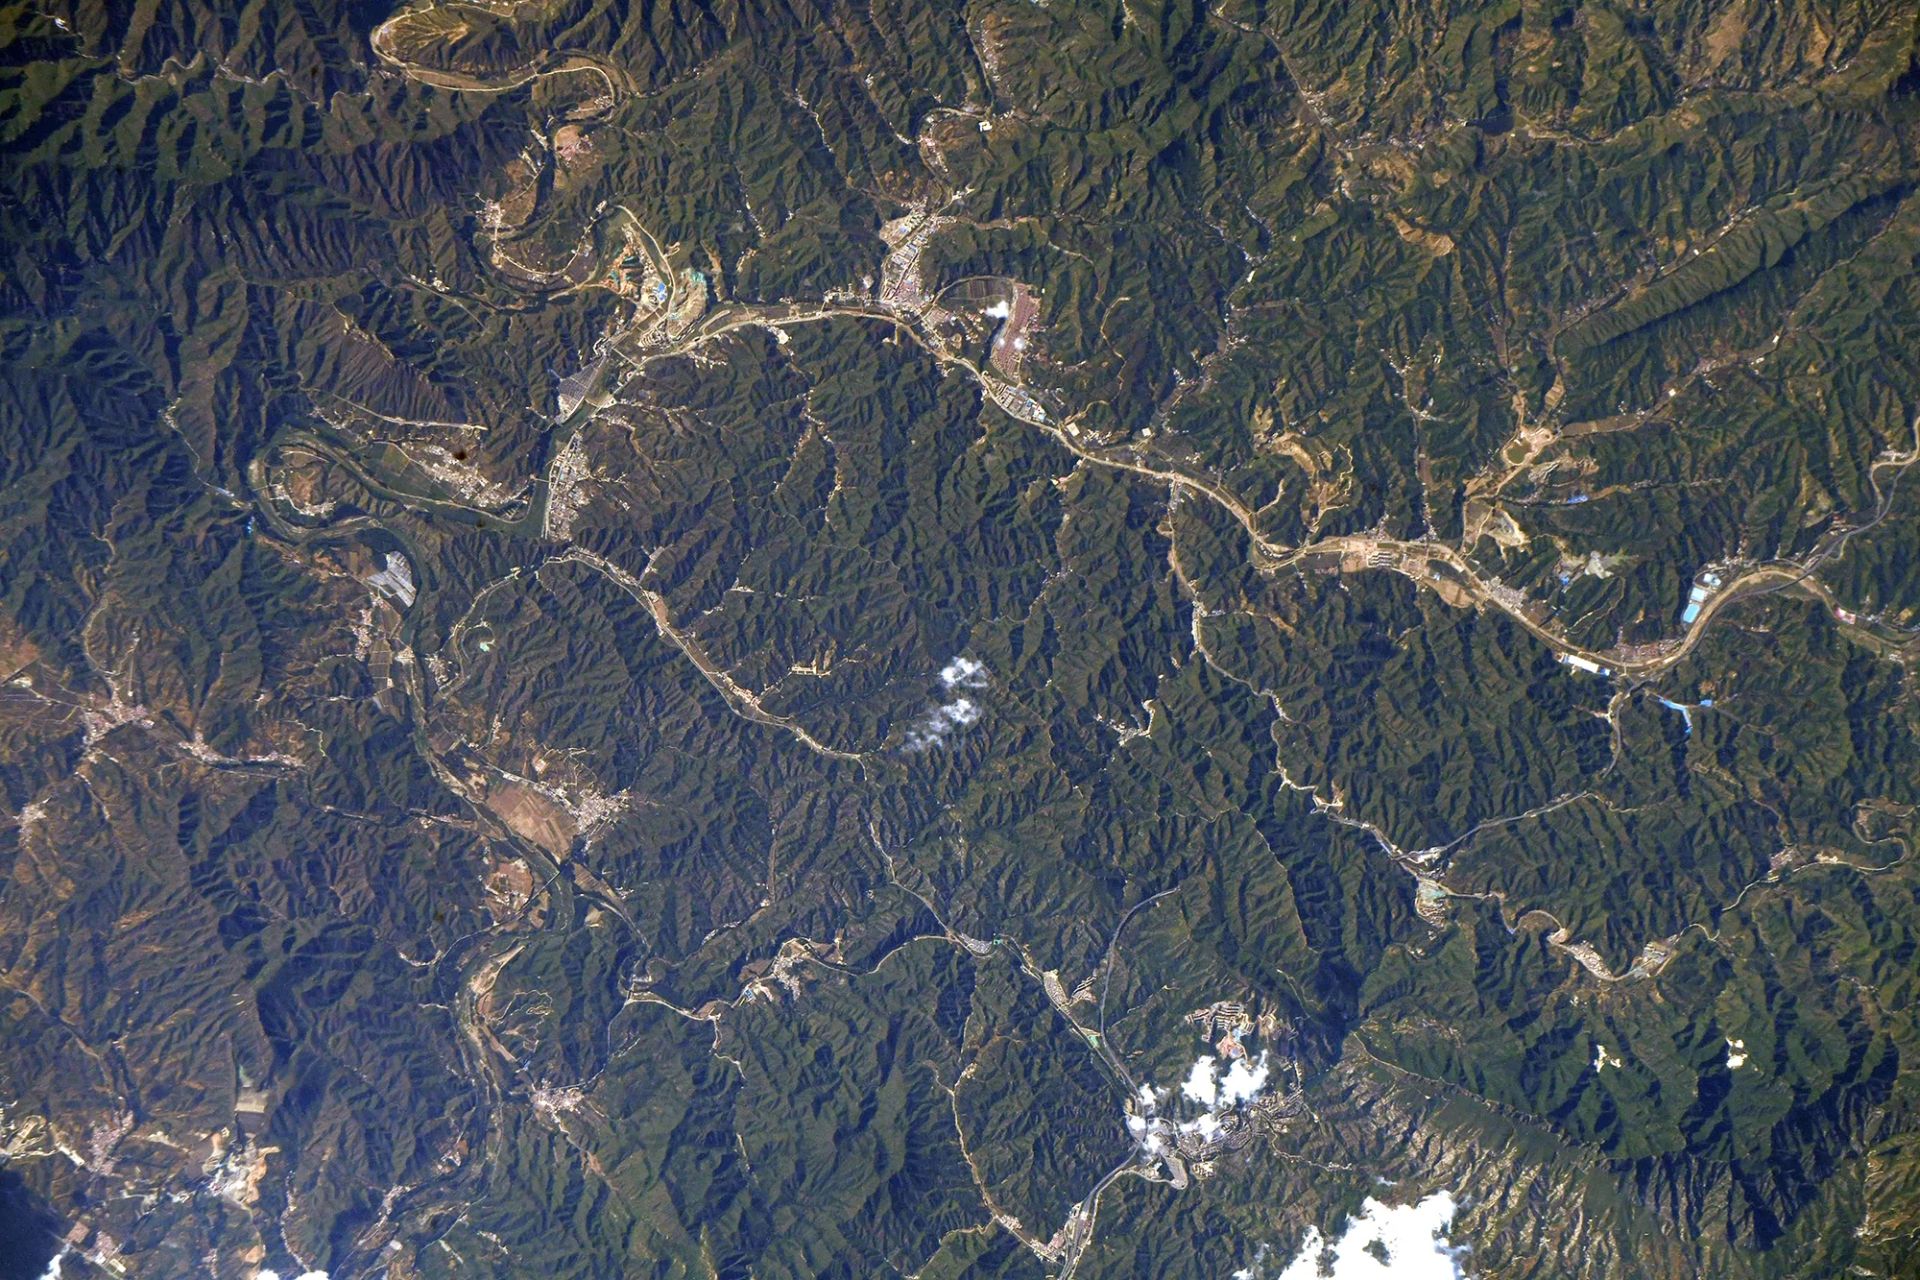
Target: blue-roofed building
[(1703, 587)]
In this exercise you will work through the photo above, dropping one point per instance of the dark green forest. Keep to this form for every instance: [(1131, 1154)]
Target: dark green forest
[(723, 639)]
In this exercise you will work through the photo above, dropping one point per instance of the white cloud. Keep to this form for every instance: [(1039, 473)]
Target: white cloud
[(1000, 310), (1258, 1269), (1206, 1124), (934, 727), (1244, 1080), (964, 673), (1413, 1238), (1200, 1086)]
